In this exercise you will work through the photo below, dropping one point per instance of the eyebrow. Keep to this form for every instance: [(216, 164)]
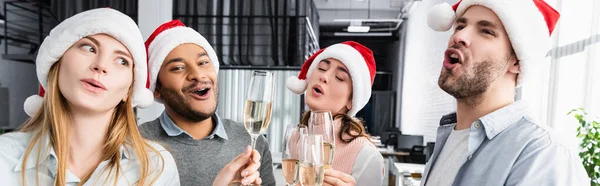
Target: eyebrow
[(97, 43), (462, 20), (202, 54), (178, 59), (339, 67), (482, 23), (93, 40), (485, 23)]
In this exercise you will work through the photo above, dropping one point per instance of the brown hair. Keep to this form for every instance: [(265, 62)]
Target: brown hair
[(53, 119), (351, 126)]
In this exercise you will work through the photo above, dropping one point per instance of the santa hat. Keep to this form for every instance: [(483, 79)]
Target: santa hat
[(528, 23), (96, 21), (359, 61), (168, 36)]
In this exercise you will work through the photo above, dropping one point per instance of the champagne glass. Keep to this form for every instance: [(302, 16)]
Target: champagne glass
[(321, 122), (312, 170), (257, 111), (292, 152)]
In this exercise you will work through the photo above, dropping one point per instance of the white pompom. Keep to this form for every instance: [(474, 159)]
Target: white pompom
[(33, 104), (441, 17), (143, 98), (295, 85)]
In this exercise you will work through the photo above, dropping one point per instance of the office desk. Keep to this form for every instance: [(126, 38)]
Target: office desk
[(405, 174), (385, 152)]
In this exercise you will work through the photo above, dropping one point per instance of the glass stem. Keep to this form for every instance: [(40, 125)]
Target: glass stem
[(253, 142)]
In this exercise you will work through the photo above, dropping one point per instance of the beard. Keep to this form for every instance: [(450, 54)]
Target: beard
[(475, 81), (180, 105)]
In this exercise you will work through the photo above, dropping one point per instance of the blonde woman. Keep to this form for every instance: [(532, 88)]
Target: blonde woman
[(82, 130)]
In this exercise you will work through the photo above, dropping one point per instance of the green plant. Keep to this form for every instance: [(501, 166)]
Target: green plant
[(589, 133)]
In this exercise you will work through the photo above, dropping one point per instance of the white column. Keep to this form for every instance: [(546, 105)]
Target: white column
[(151, 14)]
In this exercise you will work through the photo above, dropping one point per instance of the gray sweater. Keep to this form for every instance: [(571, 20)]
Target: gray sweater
[(199, 161)]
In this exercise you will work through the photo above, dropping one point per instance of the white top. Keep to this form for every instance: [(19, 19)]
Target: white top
[(368, 166), (12, 150), (451, 158)]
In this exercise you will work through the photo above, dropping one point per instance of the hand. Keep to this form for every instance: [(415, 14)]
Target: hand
[(249, 161), (337, 178)]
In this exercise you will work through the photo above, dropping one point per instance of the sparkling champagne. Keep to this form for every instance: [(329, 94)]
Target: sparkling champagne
[(257, 116), (311, 174), (328, 150), (290, 170)]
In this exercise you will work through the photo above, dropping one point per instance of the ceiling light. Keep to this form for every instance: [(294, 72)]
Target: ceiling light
[(353, 28)]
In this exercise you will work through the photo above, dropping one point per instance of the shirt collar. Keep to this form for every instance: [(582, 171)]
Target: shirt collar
[(49, 155), (497, 121), (173, 130)]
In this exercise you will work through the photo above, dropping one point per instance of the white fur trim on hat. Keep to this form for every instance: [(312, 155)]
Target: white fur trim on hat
[(33, 104), (524, 24), (168, 40), (359, 72), (96, 21)]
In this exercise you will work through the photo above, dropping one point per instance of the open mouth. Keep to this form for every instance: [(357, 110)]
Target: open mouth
[(201, 91), (94, 83), (318, 89), (454, 58)]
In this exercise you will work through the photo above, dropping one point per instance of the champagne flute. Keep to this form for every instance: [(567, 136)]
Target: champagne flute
[(292, 152), (257, 111), (321, 122), (312, 168)]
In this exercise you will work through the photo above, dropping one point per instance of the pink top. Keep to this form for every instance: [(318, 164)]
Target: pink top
[(359, 158), (346, 152)]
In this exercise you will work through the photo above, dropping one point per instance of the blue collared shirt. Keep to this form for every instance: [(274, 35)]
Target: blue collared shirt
[(507, 147), (12, 154), (173, 130)]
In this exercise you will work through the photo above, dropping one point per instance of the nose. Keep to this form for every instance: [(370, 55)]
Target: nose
[(323, 78), (195, 74), (100, 65), (461, 37)]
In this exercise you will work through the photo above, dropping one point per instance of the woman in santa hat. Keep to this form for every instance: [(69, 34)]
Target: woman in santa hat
[(92, 71), (338, 79)]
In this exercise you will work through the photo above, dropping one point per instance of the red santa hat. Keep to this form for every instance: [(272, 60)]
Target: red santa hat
[(528, 23), (359, 61), (96, 21), (168, 36)]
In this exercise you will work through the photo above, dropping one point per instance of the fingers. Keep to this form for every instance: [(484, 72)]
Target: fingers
[(251, 168), (253, 177), (338, 178), (239, 161), (228, 173), (255, 156), (329, 180)]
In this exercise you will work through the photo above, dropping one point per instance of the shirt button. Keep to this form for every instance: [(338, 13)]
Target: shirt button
[(470, 156), (477, 125)]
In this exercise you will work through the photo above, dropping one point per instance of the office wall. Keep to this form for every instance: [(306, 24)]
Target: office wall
[(423, 102)]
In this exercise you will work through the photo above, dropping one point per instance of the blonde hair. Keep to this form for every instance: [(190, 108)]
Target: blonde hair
[(53, 120)]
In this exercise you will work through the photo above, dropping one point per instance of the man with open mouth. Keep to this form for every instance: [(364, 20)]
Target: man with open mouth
[(492, 139), (183, 76)]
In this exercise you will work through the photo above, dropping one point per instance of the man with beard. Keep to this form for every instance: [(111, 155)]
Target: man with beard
[(183, 75), (493, 140)]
